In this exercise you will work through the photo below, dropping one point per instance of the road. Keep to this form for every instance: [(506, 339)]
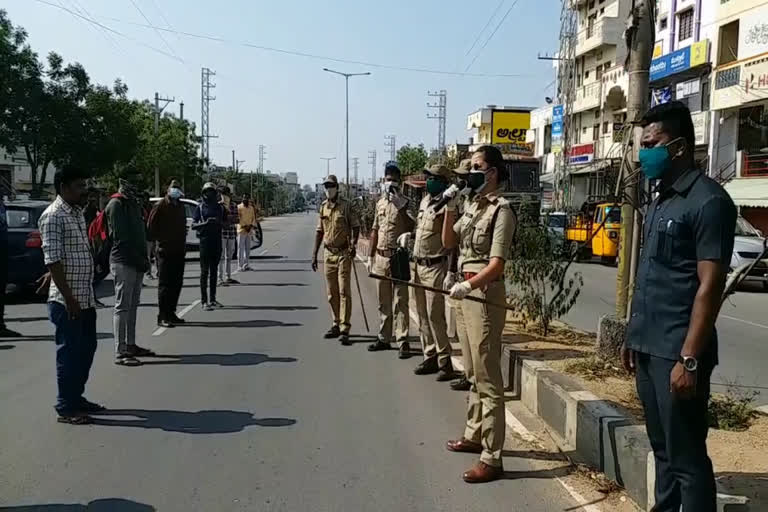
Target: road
[(248, 410), (742, 328)]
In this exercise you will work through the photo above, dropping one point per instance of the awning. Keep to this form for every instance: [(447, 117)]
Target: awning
[(749, 191)]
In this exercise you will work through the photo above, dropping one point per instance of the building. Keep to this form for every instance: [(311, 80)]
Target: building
[(16, 176), (681, 65), (739, 102), (291, 178)]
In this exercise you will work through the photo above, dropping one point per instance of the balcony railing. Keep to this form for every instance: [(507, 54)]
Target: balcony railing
[(607, 30), (753, 166), (587, 97)]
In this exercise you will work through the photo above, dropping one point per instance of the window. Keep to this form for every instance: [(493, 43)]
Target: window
[(685, 24), (602, 11), (663, 24), (586, 74), (592, 4), (605, 127), (597, 114), (599, 72), (607, 65), (728, 48), (596, 132)]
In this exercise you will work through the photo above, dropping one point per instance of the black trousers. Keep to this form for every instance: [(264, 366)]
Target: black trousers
[(3, 279), (677, 429), (210, 254), (170, 279)]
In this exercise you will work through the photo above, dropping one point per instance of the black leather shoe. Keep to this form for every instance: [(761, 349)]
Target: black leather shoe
[(176, 320), (427, 367), (333, 332), (446, 373), (461, 385), (378, 346), (162, 322), (344, 339), (405, 351)]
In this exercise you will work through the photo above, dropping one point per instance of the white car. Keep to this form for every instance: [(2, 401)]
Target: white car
[(747, 246), (193, 243)]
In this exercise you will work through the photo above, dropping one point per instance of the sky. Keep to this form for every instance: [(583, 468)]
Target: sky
[(286, 102)]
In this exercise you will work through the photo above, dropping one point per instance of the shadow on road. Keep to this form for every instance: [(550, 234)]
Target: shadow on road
[(7, 347), (24, 319), (279, 285), (200, 422), (240, 359), (240, 324), (49, 337), (272, 308), (103, 505)]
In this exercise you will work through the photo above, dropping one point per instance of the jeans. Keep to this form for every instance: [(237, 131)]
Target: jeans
[(227, 249), (210, 253), (170, 279), (677, 429), (128, 282), (75, 346), (243, 249)]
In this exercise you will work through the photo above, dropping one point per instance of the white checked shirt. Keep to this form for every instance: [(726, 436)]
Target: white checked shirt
[(65, 240)]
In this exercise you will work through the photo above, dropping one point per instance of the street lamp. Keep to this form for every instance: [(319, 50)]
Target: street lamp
[(327, 164), (346, 83)]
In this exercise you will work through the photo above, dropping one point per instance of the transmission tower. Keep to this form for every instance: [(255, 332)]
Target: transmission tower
[(372, 162), (442, 97), (262, 157), (390, 143), (566, 91), (355, 161), (205, 98)]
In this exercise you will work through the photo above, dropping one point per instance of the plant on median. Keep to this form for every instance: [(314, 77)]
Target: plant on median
[(733, 410), (539, 284)]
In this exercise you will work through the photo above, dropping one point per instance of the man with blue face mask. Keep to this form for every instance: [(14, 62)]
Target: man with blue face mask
[(168, 227), (671, 342)]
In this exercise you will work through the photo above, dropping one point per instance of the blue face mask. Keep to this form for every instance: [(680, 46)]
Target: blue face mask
[(175, 193), (655, 161)]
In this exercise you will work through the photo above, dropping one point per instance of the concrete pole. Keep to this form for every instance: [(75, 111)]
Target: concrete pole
[(157, 129), (640, 51)]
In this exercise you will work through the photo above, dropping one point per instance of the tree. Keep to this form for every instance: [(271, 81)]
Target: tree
[(411, 159), (540, 287), (450, 161)]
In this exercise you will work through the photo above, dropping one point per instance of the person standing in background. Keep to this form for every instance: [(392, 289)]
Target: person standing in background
[(5, 332), (128, 262), (247, 214), (391, 221), (167, 225), (208, 220), (228, 237), (71, 307), (92, 208), (146, 207)]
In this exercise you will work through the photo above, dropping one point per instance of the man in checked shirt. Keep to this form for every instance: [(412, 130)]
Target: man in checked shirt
[(71, 301)]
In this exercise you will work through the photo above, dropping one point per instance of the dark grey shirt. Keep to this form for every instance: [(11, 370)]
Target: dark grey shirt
[(694, 220)]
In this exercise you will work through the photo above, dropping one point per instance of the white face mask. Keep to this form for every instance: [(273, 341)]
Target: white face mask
[(331, 193), (389, 187)]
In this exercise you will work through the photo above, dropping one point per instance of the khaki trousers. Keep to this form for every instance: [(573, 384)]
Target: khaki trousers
[(485, 412), (430, 306), (338, 268), (463, 336), (389, 293)]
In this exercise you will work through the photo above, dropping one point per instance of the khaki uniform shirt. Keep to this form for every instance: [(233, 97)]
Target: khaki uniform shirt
[(390, 224), (485, 231), (336, 223), (428, 241)]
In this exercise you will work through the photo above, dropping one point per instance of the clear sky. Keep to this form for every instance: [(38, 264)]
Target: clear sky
[(287, 102)]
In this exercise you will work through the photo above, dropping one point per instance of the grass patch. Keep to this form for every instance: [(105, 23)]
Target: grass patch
[(733, 410), (595, 368)]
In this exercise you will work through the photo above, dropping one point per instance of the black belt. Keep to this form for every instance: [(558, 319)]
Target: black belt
[(428, 262), (385, 253), (337, 250)]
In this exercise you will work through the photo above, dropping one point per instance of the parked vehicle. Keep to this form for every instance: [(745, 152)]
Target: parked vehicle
[(25, 254), (747, 246), (583, 225)]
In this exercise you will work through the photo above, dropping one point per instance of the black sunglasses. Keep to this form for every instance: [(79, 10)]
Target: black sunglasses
[(476, 167), (330, 185)]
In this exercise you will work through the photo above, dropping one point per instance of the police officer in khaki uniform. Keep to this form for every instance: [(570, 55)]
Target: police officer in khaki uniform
[(463, 383), (391, 221), (338, 228), (430, 265), (484, 237)]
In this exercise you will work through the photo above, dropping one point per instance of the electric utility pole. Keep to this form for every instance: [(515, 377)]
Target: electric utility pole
[(260, 177), (390, 144), (641, 37), (181, 111), (355, 165), (159, 111), (372, 162), (205, 129), (442, 97), (327, 163)]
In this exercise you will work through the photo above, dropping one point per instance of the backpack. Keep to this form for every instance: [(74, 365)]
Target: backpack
[(101, 244)]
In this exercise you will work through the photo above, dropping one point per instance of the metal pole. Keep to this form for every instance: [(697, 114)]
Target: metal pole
[(157, 129), (346, 83), (181, 111), (637, 104)]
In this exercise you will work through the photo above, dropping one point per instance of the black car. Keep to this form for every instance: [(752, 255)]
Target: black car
[(25, 253)]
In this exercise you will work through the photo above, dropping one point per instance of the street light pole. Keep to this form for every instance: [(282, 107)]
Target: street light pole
[(346, 84), (327, 164)]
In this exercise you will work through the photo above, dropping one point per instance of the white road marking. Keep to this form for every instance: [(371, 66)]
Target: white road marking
[(745, 321), (262, 253), (161, 330), (581, 500)]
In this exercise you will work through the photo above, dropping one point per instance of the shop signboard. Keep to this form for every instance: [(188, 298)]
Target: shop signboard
[(509, 126), (753, 32), (557, 128), (679, 60), (701, 127), (581, 154)]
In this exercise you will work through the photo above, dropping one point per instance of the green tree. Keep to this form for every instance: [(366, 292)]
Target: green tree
[(411, 159)]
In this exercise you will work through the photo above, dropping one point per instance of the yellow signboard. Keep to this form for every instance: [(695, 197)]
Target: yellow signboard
[(509, 127), (658, 49), (699, 53)]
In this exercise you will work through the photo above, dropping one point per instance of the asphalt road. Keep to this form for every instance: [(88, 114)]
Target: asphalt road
[(249, 409), (742, 328)]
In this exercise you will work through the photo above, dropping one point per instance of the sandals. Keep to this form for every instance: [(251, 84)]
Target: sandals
[(74, 419)]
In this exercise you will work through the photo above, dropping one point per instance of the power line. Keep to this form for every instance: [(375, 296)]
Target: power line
[(156, 30), (491, 36), (487, 24), (80, 9), (94, 22), (316, 56), (160, 11)]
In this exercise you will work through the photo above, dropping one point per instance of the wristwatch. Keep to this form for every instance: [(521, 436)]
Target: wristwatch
[(690, 363)]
